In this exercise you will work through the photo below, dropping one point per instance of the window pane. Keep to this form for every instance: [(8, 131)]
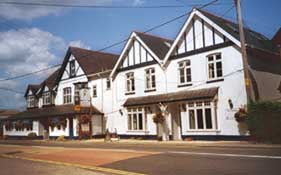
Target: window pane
[(200, 119), (191, 119), (218, 57), (219, 69), (153, 81), (208, 116), (129, 121), (135, 122), (210, 58), (140, 121), (211, 70), (188, 75), (182, 75)]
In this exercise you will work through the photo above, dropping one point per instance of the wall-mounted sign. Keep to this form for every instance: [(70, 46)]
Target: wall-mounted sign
[(77, 108), (85, 97)]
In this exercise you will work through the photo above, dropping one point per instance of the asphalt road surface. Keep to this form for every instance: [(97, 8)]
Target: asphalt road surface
[(179, 159), (24, 167)]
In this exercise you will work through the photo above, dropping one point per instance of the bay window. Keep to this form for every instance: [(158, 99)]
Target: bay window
[(150, 79), (136, 119), (215, 66), (184, 72), (201, 115), (130, 82), (67, 96)]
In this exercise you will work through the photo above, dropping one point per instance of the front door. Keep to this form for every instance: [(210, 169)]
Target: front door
[(176, 122), (71, 127)]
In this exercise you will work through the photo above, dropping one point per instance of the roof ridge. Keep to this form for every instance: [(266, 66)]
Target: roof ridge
[(94, 51), (155, 36)]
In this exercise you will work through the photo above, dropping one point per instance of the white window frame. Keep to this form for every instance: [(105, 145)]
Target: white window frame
[(46, 96), (95, 93), (30, 101), (204, 106), (214, 63), (67, 95), (130, 82), (131, 112), (184, 67), (149, 78)]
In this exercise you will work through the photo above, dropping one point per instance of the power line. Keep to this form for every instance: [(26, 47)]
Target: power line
[(120, 42), (68, 5), (35, 72), (11, 90)]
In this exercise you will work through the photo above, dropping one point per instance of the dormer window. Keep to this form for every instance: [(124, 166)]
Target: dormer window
[(30, 101), (46, 98), (72, 68)]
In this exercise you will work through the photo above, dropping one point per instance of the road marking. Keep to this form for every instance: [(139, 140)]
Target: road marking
[(225, 155), (93, 168)]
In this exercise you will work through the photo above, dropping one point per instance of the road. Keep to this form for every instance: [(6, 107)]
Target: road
[(16, 166), (161, 159)]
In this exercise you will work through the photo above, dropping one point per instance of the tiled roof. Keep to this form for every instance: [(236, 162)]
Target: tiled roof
[(172, 97), (160, 46), (5, 113), (93, 61), (52, 111), (50, 82)]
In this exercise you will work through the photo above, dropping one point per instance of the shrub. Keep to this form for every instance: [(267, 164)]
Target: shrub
[(32, 135), (264, 121), (60, 138)]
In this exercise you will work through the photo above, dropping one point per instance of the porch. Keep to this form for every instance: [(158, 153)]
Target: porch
[(175, 113)]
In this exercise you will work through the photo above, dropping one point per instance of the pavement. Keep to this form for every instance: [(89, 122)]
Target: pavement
[(17, 166), (133, 157)]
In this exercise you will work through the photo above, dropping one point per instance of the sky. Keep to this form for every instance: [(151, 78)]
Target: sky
[(36, 37)]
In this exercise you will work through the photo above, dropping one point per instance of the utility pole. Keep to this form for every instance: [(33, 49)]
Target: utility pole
[(243, 51)]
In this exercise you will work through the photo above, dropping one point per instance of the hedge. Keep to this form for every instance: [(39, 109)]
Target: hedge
[(264, 121)]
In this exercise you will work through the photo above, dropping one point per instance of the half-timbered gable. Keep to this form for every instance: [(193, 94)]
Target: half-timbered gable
[(142, 50)]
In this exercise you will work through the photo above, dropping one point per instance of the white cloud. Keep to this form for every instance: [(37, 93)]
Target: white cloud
[(29, 12), (79, 43), (27, 50)]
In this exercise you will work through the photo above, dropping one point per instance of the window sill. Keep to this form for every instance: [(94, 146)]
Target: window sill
[(203, 130), (129, 93), (185, 85), (215, 80), (138, 131), (150, 90)]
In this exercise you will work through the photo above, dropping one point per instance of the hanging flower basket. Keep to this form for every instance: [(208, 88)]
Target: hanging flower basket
[(158, 118), (84, 119), (240, 115)]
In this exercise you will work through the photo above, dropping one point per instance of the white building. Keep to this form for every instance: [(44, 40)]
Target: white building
[(187, 88)]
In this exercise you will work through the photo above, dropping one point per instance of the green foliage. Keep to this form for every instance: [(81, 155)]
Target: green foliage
[(264, 121), (32, 135), (60, 138)]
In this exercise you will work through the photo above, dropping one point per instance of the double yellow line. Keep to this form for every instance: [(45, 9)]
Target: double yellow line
[(93, 168)]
